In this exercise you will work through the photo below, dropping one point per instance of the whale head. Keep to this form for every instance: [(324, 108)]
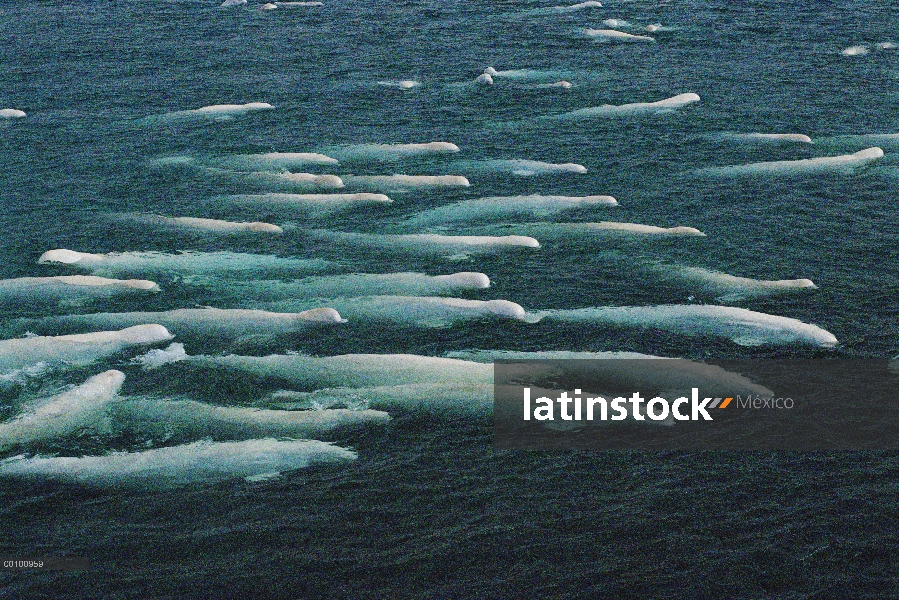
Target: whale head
[(144, 334), (506, 309), (572, 168), (458, 180), (441, 147), (321, 315), (263, 227), (801, 284), (66, 257), (522, 240), (869, 153), (466, 279), (600, 200), (491, 71), (329, 181), (685, 231), (484, 79), (562, 84), (110, 380)]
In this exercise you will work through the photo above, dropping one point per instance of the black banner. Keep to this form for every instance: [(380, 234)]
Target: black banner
[(667, 404)]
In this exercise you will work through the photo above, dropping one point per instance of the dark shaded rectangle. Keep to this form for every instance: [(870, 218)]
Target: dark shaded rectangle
[(789, 404), (59, 563)]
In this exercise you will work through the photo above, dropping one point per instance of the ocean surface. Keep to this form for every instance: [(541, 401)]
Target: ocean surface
[(428, 508)]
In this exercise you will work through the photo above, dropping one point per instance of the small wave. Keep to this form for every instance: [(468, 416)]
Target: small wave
[(159, 357)]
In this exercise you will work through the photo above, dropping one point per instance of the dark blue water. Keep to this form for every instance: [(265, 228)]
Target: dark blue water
[(430, 509)]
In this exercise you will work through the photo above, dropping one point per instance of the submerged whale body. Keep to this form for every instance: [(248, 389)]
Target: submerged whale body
[(299, 179), (204, 322), (278, 175), (768, 137), (65, 414), (185, 264), (391, 152), (620, 370), (523, 167), (418, 311), (214, 111), (69, 289), (555, 10), (278, 161), (353, 370), (636, 108), (508, 206), (826, 164), (11, 113), (189, 420), (314, 204), (174, 466), (743, 327), (409, 181), (362, 284), (613, 35), (404, 84), (204, 225), (729, 288), (75, 350), (566, 233), (425, 243), (438, 399)]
